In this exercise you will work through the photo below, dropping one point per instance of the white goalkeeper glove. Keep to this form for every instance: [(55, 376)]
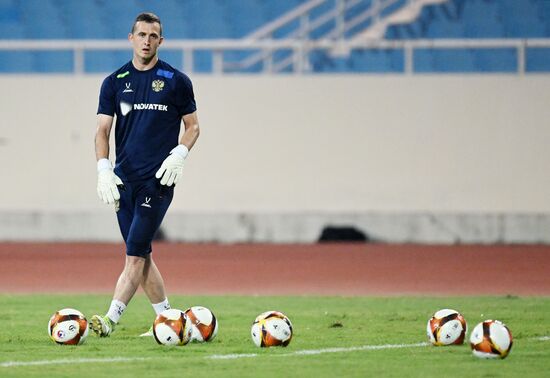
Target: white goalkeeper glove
[(107, 182), (172, 166)]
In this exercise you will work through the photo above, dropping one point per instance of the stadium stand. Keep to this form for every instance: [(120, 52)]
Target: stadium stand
[(479, 19), (238, 19)]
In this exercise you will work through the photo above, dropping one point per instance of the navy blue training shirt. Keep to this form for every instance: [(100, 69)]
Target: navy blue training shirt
[(148, 107)]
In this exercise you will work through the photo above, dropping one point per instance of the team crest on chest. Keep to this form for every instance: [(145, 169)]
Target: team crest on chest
[(158, 85)]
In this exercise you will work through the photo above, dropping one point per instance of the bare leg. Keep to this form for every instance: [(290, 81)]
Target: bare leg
[(129, 279), (126, 287), (152, 282)]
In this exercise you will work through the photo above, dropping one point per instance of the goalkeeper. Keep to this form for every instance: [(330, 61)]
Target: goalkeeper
[(150, 99)]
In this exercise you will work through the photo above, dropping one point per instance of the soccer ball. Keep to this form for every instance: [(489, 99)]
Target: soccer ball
[(171, 327), (446, 327), (204, 325), (271, 328), (491, 339), (68, 327)]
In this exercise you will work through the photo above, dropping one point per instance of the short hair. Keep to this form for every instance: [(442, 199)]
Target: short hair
[(148, 17)]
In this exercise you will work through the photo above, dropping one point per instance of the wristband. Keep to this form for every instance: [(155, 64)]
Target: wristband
[(103, 164), (181, 150)]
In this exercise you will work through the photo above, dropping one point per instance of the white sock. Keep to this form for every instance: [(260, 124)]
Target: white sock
[(160, 307), (116, 310)]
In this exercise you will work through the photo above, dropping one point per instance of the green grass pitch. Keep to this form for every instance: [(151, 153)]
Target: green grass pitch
[(319, 323)]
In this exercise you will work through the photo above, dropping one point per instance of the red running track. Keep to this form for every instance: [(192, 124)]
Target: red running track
[(317, 269)]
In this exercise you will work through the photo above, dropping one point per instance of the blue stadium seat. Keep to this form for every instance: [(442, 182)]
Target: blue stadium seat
[(105, 61), (52, 61), (250, 16), (423, 61), (543, 10), (12, 30), (413, 30), (85, 20), (445, 29), (384, 60), (9, 11), (10, 20), (453, 60), (495, 60), (490, 28), (334, 65), (480, 10), (42, 19), (318, 59), (211, 10), (118, 17), (481, 19), (524, 28), (173, 57), (16, 61), (202, 61), (538, 60), (273, 9), (359, 61), (521, 19)]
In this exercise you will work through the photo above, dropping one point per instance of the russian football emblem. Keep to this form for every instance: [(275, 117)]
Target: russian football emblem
[(158, 85)]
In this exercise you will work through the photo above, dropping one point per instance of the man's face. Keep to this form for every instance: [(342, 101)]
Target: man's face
[(145, 39)]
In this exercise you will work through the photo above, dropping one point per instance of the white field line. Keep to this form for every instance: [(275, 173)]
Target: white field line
[(214, 356), (308, 352), (70, 361), (305, 352)]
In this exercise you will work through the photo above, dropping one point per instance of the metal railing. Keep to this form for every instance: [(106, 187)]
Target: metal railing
[(299, 49), (307, 25)]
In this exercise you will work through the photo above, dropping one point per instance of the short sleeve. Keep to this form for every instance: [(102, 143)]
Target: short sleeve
[(185, 96), (107, 102)]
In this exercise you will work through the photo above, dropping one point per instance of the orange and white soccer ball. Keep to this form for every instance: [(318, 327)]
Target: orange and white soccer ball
[(446, 327), (491, 339), (204, 325), (171, 327), (271, 328), (68, 327)]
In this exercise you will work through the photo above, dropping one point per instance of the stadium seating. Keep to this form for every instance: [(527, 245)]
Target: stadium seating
[(479, 19), (212, 19)]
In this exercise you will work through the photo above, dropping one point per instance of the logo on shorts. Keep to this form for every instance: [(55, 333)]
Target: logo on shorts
[(146, 203)]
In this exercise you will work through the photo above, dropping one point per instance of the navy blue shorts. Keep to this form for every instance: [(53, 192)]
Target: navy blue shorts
[(143, 205)]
